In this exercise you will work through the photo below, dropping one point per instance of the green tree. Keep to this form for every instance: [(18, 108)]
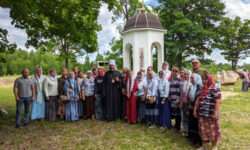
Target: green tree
[(60, 26), (5, 46), (234, 40), (191, 27)]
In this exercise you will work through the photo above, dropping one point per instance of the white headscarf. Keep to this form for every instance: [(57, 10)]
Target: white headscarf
[(54, 79), (38, 86), (193, 87), (112, 62)]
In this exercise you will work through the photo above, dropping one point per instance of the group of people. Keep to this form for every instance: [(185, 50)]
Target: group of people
[(246, 80), (189, 97)]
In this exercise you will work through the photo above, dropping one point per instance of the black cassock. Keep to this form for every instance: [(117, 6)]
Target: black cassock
[(112, 93)]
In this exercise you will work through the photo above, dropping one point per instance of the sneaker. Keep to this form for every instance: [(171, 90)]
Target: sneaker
[(152, 127)]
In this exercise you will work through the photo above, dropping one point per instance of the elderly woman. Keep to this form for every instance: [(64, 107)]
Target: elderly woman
[(51, 93), (208, 105), (184, 104), (131, 88), (38, 105), (164, 107), (99, 114), (71, 90), (141, 96), (152, 111), (79, 84), (193, 132), (88, 86), (175, 98)]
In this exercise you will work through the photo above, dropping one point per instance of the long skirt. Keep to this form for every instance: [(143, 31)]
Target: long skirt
[(165, 116), (89, 107), (51, 108), (209, 129), (38, 110), (185, 118), (152, 113), (61, 108), (142, 108), (193, 130), (124, 107), (131, 109), (71, 110), (80, 108), (99, 107)]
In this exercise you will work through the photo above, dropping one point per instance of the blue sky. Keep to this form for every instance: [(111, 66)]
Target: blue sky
[(233, 8)]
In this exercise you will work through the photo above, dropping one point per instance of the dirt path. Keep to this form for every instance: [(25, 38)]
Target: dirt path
[(6, 81)]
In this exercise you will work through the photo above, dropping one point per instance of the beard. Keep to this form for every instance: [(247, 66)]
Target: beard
[(111, 69)]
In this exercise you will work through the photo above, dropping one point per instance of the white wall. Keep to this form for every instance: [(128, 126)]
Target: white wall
[(143, 38)]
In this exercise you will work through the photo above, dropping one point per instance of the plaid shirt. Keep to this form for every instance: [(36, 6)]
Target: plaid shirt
[(207, 102)]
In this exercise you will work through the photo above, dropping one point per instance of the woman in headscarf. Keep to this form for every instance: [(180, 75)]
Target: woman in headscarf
[(193, 131), (51, 93), (184, 104), (88, 86), (152, 110), (164, 106), (175, 98), (131, 88), (61, 103), (99, 114), (208, 105), (80, 102), (141, 96), (38, 105), (71, 89)]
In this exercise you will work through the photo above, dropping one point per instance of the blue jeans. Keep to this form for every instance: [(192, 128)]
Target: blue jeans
[(19, 107), (245, 85)]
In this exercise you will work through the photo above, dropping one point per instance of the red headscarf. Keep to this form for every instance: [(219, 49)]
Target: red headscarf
[(209, 84)]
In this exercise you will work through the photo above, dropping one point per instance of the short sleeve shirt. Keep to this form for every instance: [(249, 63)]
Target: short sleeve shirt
[(207, 102), (24, 86)]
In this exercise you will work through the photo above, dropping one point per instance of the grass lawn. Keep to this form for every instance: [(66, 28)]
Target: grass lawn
[(234, 116)]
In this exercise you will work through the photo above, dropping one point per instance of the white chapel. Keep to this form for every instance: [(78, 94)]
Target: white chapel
[(142, 33)]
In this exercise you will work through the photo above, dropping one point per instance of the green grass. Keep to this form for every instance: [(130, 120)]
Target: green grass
[(235, 126)]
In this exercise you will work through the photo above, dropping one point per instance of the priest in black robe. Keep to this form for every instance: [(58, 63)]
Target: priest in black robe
[(112, 92)]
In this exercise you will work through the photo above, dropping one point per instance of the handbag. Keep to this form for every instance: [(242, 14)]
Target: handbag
[(148, 99), (64, 97)]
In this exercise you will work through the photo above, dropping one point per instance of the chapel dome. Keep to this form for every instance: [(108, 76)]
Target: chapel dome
[(143, 20)]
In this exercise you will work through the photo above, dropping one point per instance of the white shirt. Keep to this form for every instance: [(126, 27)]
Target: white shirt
[(141, 85)]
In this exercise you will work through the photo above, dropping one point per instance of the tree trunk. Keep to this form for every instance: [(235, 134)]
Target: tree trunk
[(234, 63), (179, 57), (67, 63)]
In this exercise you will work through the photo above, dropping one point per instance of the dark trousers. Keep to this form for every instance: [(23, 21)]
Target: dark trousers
[(177, 125), (19, 107)]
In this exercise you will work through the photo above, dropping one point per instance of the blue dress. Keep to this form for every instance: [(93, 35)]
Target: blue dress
[(164, 110), (38, 105), (71, 106)]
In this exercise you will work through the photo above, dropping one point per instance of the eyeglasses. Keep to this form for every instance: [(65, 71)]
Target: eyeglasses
[(175, 71), (194, 62)]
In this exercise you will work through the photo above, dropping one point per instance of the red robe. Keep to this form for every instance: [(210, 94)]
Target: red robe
[(131, 104)]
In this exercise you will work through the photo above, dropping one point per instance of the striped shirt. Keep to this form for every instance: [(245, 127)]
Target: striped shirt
[(175, 88)]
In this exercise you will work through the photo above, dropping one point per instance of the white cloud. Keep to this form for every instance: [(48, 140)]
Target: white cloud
[(237, 8)]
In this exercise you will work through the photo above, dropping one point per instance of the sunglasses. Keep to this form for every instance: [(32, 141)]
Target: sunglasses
[(175, 71)]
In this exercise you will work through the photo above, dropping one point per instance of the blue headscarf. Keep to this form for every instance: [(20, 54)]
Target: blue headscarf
[(72, 82), (193, 87)]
